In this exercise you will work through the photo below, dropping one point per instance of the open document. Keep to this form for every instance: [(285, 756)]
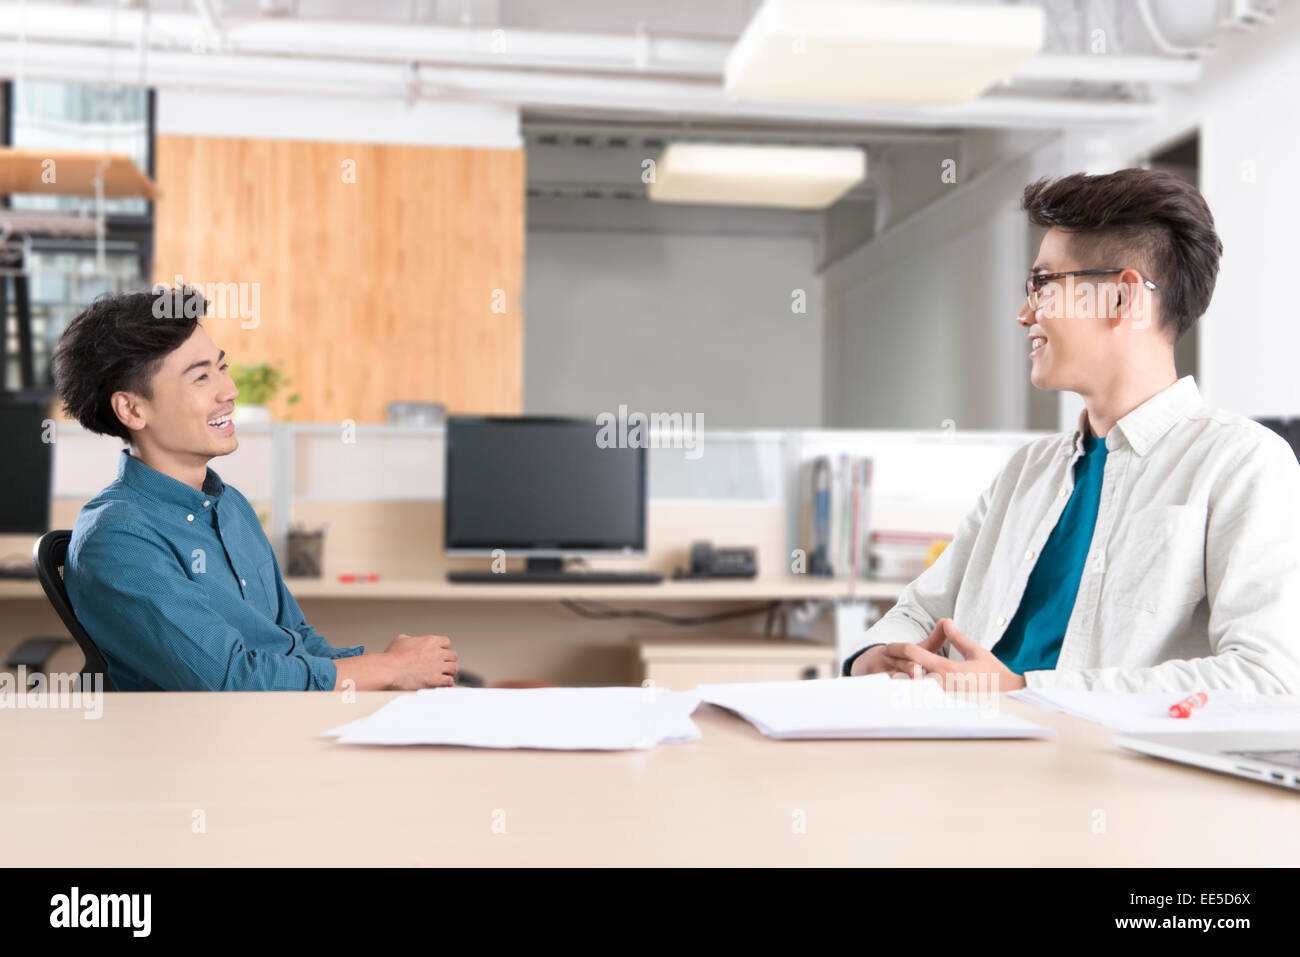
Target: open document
[(1147, 712), (871, 706), (604, 719), (578, 719)]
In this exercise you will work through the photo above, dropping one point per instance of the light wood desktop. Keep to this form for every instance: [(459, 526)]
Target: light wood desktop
[(127, 789)]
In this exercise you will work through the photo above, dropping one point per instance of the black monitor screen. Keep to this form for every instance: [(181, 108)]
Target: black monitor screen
[(1288, 428), (28, 468), (541, 484)]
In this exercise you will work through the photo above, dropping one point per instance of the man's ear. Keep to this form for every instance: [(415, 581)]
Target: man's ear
[(129, 409), (1129, 297)]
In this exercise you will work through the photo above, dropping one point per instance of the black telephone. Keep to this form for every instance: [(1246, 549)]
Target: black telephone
[(710, 562)]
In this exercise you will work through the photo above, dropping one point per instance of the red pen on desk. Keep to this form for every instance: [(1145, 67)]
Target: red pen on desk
[(1185, 707), (347, 579)]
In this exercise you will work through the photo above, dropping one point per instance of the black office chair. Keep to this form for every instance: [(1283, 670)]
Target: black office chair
[(49, 553)]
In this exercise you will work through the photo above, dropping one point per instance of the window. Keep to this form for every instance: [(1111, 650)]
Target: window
[(63, 275)]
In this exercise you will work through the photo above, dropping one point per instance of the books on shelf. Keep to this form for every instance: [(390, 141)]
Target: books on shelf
[(837, 525), (901, 556), (835, 506)]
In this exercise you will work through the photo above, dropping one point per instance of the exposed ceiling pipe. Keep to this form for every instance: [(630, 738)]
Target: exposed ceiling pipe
[(655, 97), (638, 54), (1158, 37), (210, 28), (1090, 68), (631, 129), (1244, 15)]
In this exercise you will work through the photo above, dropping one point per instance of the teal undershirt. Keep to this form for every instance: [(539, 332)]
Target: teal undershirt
[(1032, 642)]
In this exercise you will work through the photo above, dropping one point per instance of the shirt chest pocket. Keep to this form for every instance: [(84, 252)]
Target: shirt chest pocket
[(266, 582), (1158, 560)]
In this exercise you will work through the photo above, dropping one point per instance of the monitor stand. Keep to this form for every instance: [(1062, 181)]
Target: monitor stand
[(543, 571), (546, 567)]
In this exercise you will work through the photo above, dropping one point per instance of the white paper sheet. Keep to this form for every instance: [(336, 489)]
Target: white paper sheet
[(597, 719), (1149, 713), (872, 706)]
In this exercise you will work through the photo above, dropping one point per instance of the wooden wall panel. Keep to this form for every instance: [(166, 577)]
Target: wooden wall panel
[(370, 291)]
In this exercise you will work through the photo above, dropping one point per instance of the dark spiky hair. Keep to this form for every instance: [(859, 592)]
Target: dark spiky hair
[(117, 344), (1147, 219)]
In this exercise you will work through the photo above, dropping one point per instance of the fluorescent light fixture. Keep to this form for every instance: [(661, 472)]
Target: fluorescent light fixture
[(793, 177), (880, 52)]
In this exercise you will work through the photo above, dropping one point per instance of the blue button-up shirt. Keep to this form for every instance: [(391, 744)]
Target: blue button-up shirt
[(180, 590)]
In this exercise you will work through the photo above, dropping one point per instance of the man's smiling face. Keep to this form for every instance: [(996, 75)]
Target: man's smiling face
[(189, 413), (1069, 335)]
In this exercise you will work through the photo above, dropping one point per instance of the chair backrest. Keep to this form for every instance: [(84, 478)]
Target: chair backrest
[(49, 553)]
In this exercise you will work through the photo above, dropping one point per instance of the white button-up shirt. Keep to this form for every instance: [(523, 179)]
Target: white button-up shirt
[(1192, 580)]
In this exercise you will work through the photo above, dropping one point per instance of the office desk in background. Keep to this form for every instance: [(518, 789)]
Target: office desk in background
[(127, 789), (501, 631)]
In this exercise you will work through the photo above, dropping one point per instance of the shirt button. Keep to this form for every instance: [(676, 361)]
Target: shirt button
[(206, 503), (189, 518), (1065, 490), (1029, 555), (242, 582), (1001, 622)]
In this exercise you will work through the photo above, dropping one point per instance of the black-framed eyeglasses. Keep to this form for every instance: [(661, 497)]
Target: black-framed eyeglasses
[(1036, 281)]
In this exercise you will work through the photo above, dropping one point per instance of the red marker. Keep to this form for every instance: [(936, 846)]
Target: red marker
[(348, 579), (1185, 707)]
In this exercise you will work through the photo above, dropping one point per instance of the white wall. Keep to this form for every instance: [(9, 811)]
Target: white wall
[(337, 119), (921, 323), (1249, 340), (673, 321)]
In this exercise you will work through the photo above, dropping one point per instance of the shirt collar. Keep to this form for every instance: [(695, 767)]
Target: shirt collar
[(163, 488), (1145, 425)]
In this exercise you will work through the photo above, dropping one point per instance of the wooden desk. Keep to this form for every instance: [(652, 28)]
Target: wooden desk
[(122, 790), (502, 631), (745, 589), (398, 589)]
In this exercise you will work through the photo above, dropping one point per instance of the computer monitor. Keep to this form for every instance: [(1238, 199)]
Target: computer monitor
[(1288, 427), (25, 480), (542, 488)]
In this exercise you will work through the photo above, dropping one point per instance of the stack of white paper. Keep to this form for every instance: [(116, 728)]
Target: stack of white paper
[(1149, 712), (872, 706), (597, 719)]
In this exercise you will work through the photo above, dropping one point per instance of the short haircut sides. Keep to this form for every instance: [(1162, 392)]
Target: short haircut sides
[(1148, 219), (117, 343)]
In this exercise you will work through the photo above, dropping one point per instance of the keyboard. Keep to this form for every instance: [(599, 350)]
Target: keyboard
[(556, 578)]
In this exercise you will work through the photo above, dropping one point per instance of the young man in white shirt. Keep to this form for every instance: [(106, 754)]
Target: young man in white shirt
[(1157, 546)]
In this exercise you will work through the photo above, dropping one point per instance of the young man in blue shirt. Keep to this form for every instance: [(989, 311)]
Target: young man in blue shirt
[(168, 568)]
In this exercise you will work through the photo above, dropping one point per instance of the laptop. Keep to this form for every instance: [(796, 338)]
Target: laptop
[(1269, 756)]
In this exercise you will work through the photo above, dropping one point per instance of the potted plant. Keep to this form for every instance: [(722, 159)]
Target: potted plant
[(258, 384)]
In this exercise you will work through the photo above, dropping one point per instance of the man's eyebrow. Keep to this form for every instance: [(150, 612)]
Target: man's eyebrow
[(205, 362)]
